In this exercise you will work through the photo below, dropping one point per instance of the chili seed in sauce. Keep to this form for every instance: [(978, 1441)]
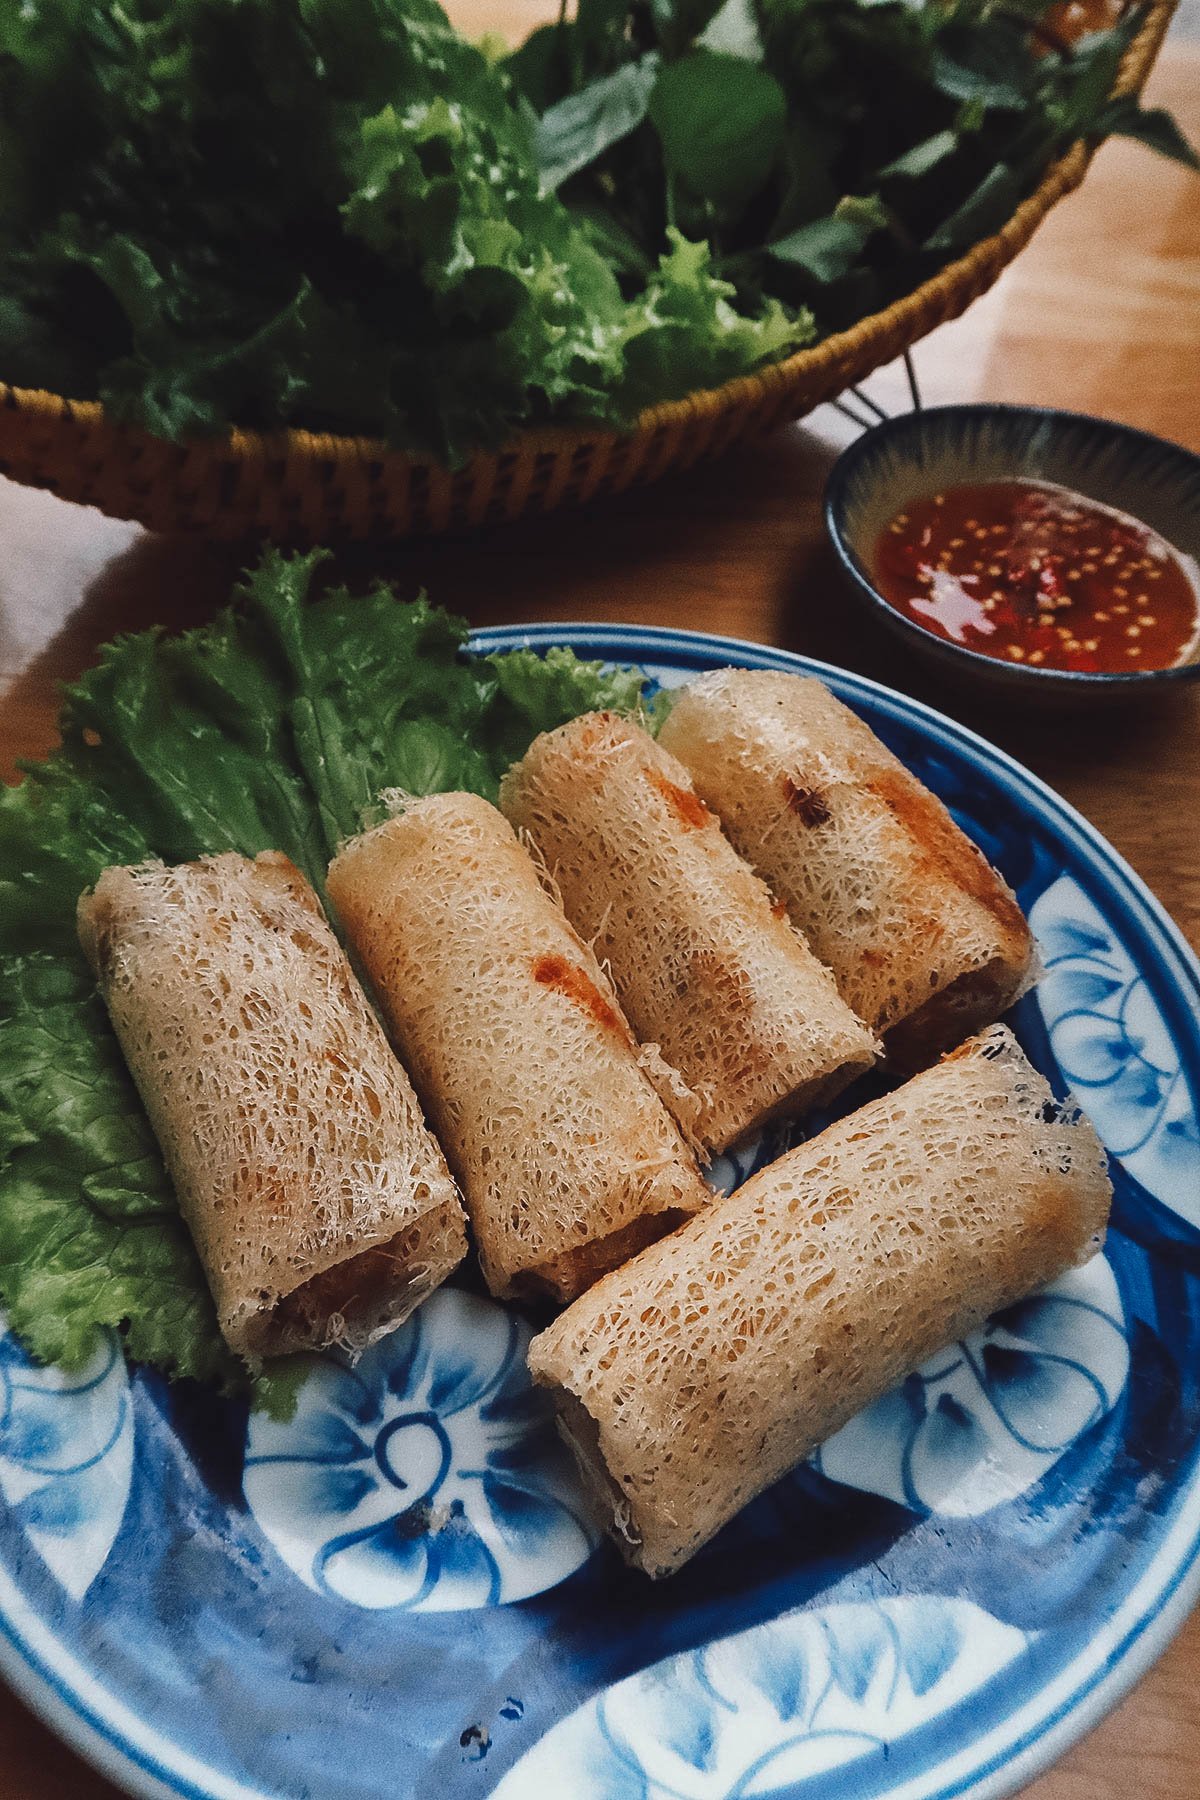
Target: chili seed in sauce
[(1027, 571)]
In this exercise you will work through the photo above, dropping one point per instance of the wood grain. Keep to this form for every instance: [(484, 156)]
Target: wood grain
[(1102, 313)]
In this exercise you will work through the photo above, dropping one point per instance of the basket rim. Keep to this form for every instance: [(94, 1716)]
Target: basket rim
[(935, 294)]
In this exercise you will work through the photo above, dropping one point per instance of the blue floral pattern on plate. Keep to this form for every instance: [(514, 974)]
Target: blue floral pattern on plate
[(986, 1420), (935, 1604), (759, 1712), (732, 1167), (66, 1456), (428, 1476), (1112, 1043)]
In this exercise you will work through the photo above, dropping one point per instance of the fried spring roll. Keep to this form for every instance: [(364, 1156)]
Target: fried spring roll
[(566, 1155), (691, 1379), (321, 1207), (704, 963), (926, 941)]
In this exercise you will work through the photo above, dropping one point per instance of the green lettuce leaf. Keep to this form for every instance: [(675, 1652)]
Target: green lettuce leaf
[(327, 214), (685, 331), (266, 213), (275, 727)]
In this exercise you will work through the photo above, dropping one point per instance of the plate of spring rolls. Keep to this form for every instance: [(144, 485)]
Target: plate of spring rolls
[(726, 1194)]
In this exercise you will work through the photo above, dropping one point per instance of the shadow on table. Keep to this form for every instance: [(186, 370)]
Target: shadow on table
[(735, 547)]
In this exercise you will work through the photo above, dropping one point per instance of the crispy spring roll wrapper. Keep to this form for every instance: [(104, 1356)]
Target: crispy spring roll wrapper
[(320, 1205), (926, 941), (691, 1379), (566, 1155), (704, 963)]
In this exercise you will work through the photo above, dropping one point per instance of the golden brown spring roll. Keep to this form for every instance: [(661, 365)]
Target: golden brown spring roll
[(926, 941), (320, 1205), (704, 963), (568, 1160), (691, 1379)]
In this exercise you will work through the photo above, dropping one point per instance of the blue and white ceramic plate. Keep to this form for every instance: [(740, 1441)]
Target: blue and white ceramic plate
[(398, 1593)]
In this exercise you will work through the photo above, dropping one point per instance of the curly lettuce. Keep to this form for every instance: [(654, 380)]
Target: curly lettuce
[(274, 727), (325, 213)]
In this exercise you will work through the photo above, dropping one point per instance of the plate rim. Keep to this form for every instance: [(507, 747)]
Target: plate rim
[(1164, 1612), (63, 1704)]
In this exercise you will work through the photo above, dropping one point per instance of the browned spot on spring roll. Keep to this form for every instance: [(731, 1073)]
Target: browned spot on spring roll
[(566, 1155), (926, 941), (702, 961), (554, 971), (691, 1379), (320, 1205)]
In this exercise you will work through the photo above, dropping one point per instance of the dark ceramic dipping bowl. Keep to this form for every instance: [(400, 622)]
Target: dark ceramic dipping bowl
[(922, 452)]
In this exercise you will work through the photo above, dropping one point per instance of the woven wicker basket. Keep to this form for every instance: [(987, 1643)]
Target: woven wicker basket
[(304, 488)]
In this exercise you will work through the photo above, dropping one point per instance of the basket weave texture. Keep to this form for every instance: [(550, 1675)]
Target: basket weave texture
[(302, 487)]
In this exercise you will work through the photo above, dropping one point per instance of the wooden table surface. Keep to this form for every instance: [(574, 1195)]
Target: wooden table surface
[(1102, 314)]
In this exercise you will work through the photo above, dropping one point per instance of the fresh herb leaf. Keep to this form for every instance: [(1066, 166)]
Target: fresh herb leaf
[(827, 249), (922, 159), (984, 210), (990, 64), (721, 123), (733, 31), (583, 126), (1084, 79), (275, 1389), (267, 214), (260, 213), (1151, 126)]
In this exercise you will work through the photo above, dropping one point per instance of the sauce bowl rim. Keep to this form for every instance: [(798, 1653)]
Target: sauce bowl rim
[(866, 445)]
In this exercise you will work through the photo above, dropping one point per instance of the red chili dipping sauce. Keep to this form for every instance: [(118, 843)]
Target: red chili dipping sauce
[(1029, 572)]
